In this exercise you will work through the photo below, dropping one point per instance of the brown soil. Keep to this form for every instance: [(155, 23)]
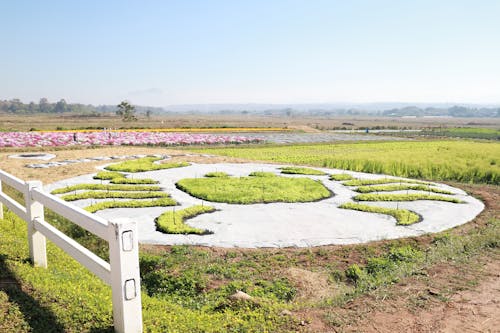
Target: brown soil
[(417, 306), (17, 167), (310, 285)]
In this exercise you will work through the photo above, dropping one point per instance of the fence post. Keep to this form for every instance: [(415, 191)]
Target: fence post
[(1, 205), (125, 278), (36, 241)]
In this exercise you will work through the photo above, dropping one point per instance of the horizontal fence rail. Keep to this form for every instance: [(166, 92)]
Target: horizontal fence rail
[(122, 271), (93, 223)]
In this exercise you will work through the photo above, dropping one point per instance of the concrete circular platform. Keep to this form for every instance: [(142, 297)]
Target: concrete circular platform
[(285, 224)]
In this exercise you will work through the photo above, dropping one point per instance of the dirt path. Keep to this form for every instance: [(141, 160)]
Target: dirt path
[(470, 310)]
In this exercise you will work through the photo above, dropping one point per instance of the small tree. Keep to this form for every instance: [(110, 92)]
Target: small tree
[(126, 111)]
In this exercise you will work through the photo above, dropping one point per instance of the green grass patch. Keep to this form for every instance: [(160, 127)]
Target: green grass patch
[(301, 171), (108, 175), (133, 181), (402, 216), (381, 181), (162, 202), (66, 297), (400, 187), (105, 187), (119, 178), (216, 174), (466, 132), (262, 174), (403, 197), (144, 164), (114, 195), (341, 177), (464, 161), (173, 222), (249, 190)]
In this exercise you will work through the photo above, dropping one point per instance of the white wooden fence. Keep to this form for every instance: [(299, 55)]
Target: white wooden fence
[(122, 271)]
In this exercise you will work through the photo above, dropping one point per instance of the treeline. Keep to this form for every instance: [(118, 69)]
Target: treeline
[(44, 106), (16, 106), (454, 111)]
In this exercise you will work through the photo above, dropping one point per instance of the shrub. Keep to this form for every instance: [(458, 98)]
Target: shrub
[(404, 253), (354, 273)]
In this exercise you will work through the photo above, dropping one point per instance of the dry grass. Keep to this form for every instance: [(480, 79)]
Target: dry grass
[(303, 123)]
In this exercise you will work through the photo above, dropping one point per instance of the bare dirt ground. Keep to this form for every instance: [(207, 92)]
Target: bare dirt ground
[(17, 167)]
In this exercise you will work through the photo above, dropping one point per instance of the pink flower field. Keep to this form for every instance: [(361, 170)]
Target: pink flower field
[(57, 139)]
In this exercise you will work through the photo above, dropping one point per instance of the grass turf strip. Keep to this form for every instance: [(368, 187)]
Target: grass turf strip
[(112, 194), (172, 222), (341, 177), (402, 216), (162, 202), (301, 171), (400, 187), (381, 181), (404, 197), (119, 178), (106, 187), (216, 174), (144, 164)]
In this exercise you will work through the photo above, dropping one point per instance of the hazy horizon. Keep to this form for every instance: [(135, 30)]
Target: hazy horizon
[(160, 53)]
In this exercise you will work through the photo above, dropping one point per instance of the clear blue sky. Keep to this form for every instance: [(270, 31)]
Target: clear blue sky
[(252, 51)]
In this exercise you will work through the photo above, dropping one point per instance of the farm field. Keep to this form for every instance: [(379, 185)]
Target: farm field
[(318, 289), (227, 122), (464, 161)]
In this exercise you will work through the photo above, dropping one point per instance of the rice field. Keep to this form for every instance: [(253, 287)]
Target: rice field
[(463, 161)]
